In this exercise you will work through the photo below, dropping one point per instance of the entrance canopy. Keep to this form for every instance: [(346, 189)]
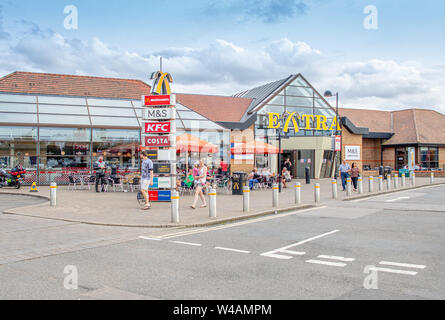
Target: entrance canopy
[(255, 147)]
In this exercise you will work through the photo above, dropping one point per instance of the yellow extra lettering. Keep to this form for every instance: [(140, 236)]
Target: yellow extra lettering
[(288, 120), (273, 120), (321, 123), (334, 124), (307, 118)]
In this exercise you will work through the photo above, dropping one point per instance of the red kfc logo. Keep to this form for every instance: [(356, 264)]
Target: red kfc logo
[(157, 127)]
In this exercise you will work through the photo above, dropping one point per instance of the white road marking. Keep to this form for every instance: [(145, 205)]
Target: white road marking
[(235, 224), (272, 253), (188, 243), (411, 273), (329, 263), (394, 192), (230, 249), (396, 199), (147, 238), (298, 253), (336, 258), (398, 264)]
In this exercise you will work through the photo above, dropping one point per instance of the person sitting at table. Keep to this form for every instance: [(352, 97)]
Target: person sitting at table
[(253, 178)]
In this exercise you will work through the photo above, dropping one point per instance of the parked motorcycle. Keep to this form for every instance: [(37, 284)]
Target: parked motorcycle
[(13, 178)]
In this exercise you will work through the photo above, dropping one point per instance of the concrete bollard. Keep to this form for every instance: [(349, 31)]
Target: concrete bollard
[(403, 180), (246, 199), (413, 179), (317, 192), (371, 184), (297, 193), (360, 184), (275, 195), (334, 189), (348, 187), (380, 183), (53, 194), (212, 203), (175, 207), (388, 182), (432, 178)]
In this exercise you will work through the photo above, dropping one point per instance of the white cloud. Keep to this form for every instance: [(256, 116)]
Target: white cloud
[(226, 68)]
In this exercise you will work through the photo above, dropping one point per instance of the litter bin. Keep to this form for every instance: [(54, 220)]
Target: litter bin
[(387, 171), (307, 174), (405, 171), (239, 180)]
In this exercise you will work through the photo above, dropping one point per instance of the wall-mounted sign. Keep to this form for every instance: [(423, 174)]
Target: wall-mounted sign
[(158, 113), (352, 153), (411, 158), (337, 143), (157, 127), (162, 155), (296, 121), (159, 100), (161, 168), (156, 141)]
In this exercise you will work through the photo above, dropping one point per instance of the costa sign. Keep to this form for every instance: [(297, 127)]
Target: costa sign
[(157, 141), (159, 100), (158, 114), (157, 127)]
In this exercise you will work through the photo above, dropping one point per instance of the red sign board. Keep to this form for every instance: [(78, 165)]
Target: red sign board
[(157, 127), (157, 141), (159, 100), (337, 143)]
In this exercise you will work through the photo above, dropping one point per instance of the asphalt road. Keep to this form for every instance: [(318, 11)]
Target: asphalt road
[(386, 247)]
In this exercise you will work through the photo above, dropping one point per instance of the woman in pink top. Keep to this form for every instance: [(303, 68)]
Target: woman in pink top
[(355, 172)]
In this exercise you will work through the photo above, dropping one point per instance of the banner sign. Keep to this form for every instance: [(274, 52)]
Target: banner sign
[(159, 195), (352, 153), (411, 158), (337, 146), (159, 100), (156, 141), (157, 127), (158, 114)]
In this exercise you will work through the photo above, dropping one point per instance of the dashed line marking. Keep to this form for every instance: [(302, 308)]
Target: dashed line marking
[(329, 263), (336, 258), (411, 273), (188, 243), (231, 249), (396, 199), (398, 264), (147, 238)]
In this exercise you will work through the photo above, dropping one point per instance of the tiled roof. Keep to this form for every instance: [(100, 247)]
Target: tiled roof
[(374, 120), (216, 108), (71, 85)]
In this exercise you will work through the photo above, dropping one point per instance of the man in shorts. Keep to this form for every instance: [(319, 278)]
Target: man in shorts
[(146, 178)]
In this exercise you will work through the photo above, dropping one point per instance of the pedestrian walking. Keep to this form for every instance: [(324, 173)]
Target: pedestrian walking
[(355, 172), (146, 178), (99, 167), (200, 183), (344, 173)]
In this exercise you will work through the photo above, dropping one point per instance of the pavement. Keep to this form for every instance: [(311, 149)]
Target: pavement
[(122, 209), (387, 247)]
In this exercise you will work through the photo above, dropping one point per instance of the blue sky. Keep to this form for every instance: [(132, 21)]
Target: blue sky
[(224, 47)]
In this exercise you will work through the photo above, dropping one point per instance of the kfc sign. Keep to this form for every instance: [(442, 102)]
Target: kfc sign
[(157, 127), (156, 141), (159, 100)]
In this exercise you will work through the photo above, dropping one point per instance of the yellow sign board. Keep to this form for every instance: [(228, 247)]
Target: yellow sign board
[(310, 122)]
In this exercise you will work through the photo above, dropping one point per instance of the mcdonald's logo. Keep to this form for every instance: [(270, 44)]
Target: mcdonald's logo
[(236, 186), (161, 82)]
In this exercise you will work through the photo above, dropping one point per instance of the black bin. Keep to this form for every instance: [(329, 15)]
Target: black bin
[(387, 171), (307, 174), (239, 179)]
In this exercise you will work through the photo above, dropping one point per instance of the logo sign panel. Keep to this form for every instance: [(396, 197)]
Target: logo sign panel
[(158, 113), (159, 100), (352, 152), (157, 141), (163, 168), (161, 183), (157, 127)]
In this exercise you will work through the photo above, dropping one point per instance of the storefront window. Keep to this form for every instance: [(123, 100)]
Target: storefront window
[(429, 157), (18, 146), (60, 154)]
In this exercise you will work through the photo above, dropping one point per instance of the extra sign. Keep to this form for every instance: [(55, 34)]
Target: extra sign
[(157, 127), (157, 141), (159, 100), (158, 113)]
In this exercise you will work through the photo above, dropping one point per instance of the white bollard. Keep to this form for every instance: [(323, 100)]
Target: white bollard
[(334, 189), (403, 180), (360, 184), (432, 178), (317, 192), (246, 199), (388, 182), (212, 203), (297, 193), (348, 187), (53, 194), (275, 195), (371, 184), (175, 207), (413, 179), (380, 183), (396, 181)]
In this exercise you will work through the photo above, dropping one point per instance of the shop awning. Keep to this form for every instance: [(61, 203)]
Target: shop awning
[(189, 143), (255, 147)]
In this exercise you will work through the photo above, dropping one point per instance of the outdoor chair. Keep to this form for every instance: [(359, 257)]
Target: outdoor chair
[(73, 182), (91, 181), (135, 184)]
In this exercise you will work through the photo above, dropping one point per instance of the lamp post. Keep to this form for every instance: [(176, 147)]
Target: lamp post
[(328, 94)]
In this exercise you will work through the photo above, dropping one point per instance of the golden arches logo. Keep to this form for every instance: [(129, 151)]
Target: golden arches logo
[(161, 82)]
